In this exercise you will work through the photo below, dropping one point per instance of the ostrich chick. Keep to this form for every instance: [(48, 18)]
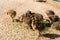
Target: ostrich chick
[(37, 25), (12, 13)]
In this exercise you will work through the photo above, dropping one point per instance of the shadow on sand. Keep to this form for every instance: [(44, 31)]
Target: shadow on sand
[(51, 36)]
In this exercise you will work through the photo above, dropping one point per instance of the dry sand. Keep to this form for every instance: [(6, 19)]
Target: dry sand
[(14, 31)]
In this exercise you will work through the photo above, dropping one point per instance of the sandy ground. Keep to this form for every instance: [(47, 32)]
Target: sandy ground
[(16, 31)]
